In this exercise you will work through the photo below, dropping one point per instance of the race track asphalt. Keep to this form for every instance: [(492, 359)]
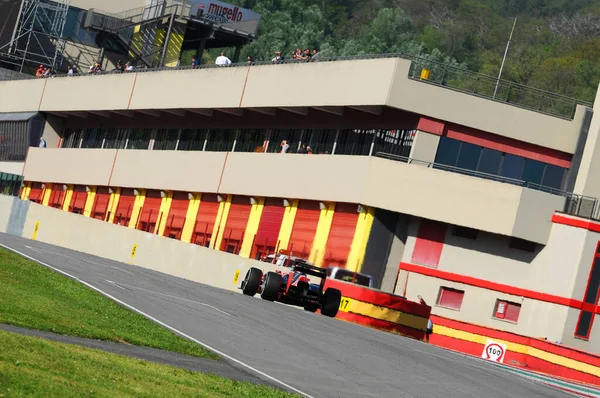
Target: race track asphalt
[(289, 348)]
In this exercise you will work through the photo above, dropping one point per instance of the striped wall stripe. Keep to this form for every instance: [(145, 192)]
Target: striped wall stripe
[(360, 240), (287, 225), (383, 313), (190, 218), (89, 202), (519, 348), (252, 227), (319, 246)]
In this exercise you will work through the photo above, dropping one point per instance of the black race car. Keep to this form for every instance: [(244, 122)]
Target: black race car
[(294, 288)]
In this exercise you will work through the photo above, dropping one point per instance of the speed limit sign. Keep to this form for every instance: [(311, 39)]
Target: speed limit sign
[(494, 351)]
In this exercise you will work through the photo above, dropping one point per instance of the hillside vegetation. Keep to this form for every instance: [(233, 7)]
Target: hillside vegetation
[(555, 47)]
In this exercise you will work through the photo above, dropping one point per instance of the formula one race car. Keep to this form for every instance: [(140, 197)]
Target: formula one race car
[(294, 288)]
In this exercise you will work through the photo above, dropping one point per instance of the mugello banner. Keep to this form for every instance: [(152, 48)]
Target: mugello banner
[(222, 12)]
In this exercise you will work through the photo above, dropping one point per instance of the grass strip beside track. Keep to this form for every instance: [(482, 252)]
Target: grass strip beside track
[(32, 366), (32, 296)]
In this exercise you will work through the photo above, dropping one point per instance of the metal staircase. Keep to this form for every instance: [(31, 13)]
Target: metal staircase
[(135, 32)]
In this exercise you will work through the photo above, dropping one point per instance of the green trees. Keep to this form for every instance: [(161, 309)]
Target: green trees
[(555, 45)]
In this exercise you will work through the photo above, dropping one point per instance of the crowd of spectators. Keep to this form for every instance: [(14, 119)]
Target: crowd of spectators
[(307, 55)]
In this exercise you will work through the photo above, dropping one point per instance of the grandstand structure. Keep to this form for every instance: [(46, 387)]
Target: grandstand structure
[(147, 33), (484, 205)]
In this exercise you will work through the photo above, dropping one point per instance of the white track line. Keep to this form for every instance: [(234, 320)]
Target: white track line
[(208, 347), (168, 295), (35, 250)]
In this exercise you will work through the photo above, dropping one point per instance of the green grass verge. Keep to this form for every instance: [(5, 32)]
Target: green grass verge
[(35, 367), (36, 297)]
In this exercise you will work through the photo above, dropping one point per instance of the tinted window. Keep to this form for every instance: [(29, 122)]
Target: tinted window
[(512, 166), (553, 176), (585, 322), (533, 171), (447, 152), (468, 157), (591, 293), (490, 161)]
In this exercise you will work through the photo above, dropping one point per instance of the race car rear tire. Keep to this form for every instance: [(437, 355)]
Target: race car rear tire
[(271, 286), (251, 282), (331, 302)]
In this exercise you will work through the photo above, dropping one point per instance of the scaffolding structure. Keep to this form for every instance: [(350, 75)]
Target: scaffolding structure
[(39, 35)]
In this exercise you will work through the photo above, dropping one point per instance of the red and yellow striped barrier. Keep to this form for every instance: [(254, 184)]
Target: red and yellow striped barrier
[(533, 354), (381, 310)]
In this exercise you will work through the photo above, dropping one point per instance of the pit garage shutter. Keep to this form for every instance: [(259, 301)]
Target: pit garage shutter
[(176, 217), (305, 227), (205, 220), (101, 200), (57, 196), (341, 234), (78, 199), (124, 207), (36, 193), (265, 242), (150, 210), (236, 223)]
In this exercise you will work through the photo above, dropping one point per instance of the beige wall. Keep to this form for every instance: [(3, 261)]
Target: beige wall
[(70, 166), (404, 188), (555, 268), (87, 93), (424, 147), (12, 167), (177, 171), (21, 95), (536, 319), (351, 83)]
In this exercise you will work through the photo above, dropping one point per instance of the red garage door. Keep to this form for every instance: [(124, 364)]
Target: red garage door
[(124, 207), (176, 218), (78, 199), (57, 196), (205, 220), (100, 208), (265, 242), (37, 192), (305, 227), (236, 223), (150, 210), (341, 234)]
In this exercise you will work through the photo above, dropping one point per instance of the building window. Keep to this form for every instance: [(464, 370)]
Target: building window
[(464, 232), (450, 298), (586, 318), (521, 244), (429, 243), (472, 157), (507, 311)]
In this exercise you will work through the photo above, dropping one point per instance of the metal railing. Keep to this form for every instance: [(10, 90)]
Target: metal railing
[(575, 205), (442, 75)]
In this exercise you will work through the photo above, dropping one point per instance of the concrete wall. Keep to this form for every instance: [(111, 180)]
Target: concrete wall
[(114, 242), (403, 188), (12, 167), (381, 82), (536, 319)]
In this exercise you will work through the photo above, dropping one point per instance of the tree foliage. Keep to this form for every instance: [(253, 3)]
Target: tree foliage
[(555, 47)]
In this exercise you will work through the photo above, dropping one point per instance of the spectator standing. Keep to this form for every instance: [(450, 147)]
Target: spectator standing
[(250, 60), (303, 149), (284, 146), (222, 60), (42, 143), (278, 58), (69, 71), (309, 150), (195, 63)]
